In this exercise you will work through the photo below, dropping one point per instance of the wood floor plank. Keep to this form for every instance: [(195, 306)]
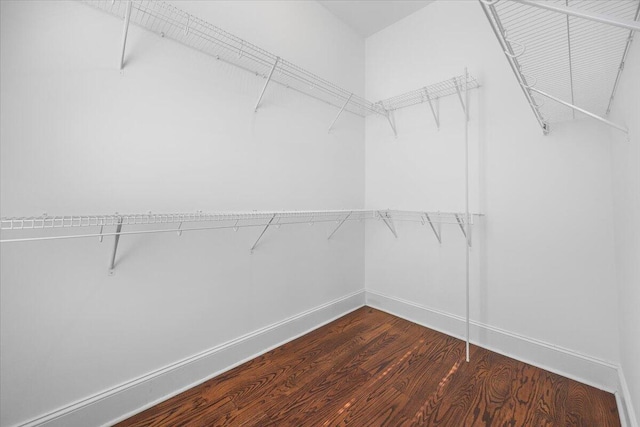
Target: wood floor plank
[(370, 368)]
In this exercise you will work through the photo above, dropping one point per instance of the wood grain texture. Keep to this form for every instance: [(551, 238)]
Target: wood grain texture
[(370, 368)]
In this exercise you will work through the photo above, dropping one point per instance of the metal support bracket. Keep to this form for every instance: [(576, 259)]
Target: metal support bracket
[(262, 234), (583, 111), (340, 112), (112, 265), (434, 111), (125, 31), (387, 220), (436, 232), (622, 62), (462, 228), (392, 121), (339, 225), (275, 64), (464, 107)]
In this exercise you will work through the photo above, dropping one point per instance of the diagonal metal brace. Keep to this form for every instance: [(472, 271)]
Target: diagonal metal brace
[(115, 248), (464, 232), (438, 236), (339, 225), (387, 220), (392, 123), (436, 115), (464, 107), (263, 231), (582, 110), (264, 89), (125, 31), (340, 112)]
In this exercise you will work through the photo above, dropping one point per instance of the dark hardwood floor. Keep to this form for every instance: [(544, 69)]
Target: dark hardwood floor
[(369, 368)]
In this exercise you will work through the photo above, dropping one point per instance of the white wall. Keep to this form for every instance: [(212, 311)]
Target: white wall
[(174, 132), (542, 260), (626, 198)]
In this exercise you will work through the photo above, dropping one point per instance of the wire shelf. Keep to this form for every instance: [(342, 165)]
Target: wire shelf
[(249, 218), (572, 58), (429, 93), (173, 23)]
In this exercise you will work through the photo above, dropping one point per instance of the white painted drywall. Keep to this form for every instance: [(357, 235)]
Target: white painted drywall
[(175, 131), (626, 198), (542, 259)]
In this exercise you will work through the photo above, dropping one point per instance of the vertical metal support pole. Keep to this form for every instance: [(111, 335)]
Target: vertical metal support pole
[(339, 225), (436, 117), (125, 31), (275, 64), (433, 228), (340, 112), (115, 248), (262, 234), (388, 222), (466, 187)]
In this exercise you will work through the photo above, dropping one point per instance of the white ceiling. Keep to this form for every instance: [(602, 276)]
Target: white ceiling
[(367, 17)]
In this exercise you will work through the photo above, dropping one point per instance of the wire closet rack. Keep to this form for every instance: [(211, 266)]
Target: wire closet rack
[(173, 23), (224, 219), (567, 55), (99, 226), (452, 86), (431, 94)]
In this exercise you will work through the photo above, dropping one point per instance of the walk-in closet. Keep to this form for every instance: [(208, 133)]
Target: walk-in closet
[(319, 213)]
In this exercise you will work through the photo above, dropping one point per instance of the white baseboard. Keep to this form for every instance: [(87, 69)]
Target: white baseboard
[(134, 396), (579, 367), (108, 407), (568, 363), (625, 406)]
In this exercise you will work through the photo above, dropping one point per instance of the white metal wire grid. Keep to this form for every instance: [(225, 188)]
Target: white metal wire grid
[(74, 221), (571, 58), (111, 225), (452, 86), (171, 22)]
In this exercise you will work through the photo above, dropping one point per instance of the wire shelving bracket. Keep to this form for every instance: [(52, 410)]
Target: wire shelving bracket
[(112, 265), (384, 216), (437, 232)]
